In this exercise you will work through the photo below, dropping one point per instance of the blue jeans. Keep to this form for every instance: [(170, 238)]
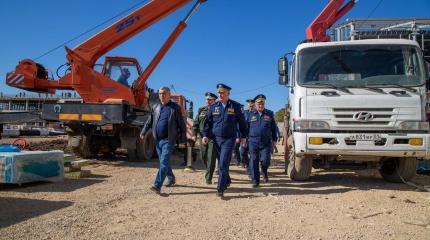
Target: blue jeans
[(164, 150)]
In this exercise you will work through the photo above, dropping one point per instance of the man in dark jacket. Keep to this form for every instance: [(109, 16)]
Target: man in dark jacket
[(168, 126)]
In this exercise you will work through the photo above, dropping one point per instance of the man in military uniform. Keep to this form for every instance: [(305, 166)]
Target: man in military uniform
[(207, 151), (244, 151), (221, 123), (262, 136)]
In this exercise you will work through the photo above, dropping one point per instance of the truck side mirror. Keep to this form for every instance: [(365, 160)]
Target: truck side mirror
[(283, 71)]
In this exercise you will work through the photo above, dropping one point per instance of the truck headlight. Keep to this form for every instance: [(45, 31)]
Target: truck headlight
[(303, 125), (414, 126)]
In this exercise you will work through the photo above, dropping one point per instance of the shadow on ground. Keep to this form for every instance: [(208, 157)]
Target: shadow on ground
[(16, 210), (68, 185), (320, 183)]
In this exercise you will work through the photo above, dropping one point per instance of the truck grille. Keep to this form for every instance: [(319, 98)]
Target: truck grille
[(380, 116)]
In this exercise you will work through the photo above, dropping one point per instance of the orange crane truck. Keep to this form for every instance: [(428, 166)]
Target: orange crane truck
[(112, 112)]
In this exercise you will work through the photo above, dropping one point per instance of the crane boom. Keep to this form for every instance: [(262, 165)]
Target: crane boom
[(95, 87), (334, 10), (92, 49)]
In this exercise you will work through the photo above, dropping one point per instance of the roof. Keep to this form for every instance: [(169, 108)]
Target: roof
[(358, 42)]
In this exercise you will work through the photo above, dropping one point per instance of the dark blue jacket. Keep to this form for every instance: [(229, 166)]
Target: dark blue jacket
[(262, 130), (176, 125), (223, 122)]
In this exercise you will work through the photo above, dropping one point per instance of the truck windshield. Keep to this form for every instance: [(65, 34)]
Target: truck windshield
[(360, 66)]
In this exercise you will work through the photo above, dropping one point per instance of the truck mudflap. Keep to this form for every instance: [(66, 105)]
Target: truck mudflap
[(390, 145), (94, 113)]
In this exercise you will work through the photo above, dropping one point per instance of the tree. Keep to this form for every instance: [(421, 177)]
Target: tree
[(279, 115)]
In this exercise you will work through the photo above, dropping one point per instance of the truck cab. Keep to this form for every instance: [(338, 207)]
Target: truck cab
[(356, 104)]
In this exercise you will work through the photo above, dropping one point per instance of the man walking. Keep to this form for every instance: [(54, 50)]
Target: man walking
[(221, 122), (244, 151), (262, 137), (207, 151), (168, 126)]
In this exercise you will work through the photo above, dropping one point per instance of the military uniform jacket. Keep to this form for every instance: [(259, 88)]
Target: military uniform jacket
[(246, 113), (262, 129), (199, 121), (223, 122)]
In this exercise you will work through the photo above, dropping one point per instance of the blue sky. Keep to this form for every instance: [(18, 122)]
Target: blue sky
[(236, 42)]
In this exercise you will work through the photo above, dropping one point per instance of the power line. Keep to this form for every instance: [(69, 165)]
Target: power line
[(255, 89), (91, 29), (234, 93), (373, 11)]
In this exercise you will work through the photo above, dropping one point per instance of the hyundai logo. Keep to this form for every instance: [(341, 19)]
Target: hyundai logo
[(363, 116)]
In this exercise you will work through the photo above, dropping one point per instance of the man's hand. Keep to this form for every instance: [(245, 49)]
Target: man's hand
[(237, 140), (244, 142), (205, 140), (194, 138), (273, 144), (142, 135)]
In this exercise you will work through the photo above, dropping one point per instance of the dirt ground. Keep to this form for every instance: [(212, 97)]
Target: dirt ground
[(116, 203)]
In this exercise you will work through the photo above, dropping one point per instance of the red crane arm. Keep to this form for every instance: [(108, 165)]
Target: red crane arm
[(92, 49), (139, 86), (316, 32)]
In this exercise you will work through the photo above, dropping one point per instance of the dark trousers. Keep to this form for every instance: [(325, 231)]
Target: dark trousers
[(224, 148), (259, 155), (237, 152), (244, 154), (208, 156)]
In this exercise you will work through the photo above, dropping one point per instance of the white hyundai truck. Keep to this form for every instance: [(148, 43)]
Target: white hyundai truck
[(356, 104)]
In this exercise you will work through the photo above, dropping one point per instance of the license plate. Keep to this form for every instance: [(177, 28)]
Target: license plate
[(365, 137)]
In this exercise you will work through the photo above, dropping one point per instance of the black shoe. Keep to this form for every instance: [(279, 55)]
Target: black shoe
[(155, 189), (228, 184), (266, 179), (238, 164), (171, 184), (220, 194), (255, 185), (208, 182)]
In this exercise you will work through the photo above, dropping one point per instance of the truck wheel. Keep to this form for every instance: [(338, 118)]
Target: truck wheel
[(394, 169), (299, 168), (145, 148), (86, 148)]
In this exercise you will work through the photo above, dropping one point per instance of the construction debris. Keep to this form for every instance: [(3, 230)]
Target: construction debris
[(73, 169), (77, 174)]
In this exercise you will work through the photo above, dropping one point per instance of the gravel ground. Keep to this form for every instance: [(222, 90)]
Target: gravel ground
[(116, 203)]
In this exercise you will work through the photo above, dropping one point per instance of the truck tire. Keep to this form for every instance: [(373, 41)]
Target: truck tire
[(299, 168), (86, 149), (145, 148), (394, 169)]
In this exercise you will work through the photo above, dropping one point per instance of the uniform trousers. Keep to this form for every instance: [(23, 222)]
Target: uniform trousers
[(208, 156), (224, 148), (259, 155)]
